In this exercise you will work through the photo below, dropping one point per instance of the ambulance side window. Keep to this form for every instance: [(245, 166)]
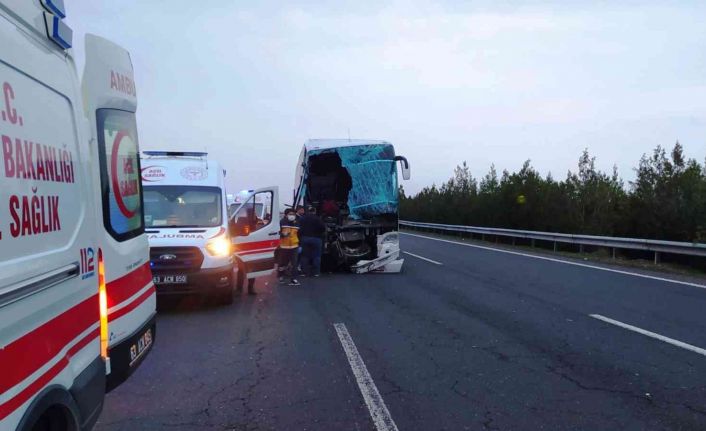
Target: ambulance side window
[(254, 214), (264, 208), (244, 218), (121, 188)]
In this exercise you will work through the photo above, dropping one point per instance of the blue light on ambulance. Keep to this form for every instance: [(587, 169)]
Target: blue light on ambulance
[(56, 7)]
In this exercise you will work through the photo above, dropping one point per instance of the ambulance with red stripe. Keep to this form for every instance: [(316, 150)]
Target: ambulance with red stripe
[(77, 302), (187, 224)]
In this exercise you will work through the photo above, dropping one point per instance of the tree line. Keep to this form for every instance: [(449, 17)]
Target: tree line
[(667, 199)]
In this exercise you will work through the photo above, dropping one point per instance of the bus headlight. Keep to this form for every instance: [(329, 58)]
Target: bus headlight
[(388, 243), (219, 246), (392, 238)]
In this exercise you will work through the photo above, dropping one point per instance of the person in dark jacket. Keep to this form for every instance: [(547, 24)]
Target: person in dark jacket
[(300, 212), (311, 233)]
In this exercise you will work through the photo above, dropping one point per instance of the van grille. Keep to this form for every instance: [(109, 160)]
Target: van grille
[(175, 258)]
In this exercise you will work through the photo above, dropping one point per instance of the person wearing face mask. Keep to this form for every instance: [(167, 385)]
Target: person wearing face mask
[(288, 251)]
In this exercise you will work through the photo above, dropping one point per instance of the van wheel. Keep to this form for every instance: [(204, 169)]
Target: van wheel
[(54, 419), (226, 298), (53, 410)]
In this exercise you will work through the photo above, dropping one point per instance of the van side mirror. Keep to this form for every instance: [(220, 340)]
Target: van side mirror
[(404, 166)]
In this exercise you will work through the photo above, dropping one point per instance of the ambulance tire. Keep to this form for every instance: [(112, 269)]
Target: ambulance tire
[(55, 410), (226, 298)]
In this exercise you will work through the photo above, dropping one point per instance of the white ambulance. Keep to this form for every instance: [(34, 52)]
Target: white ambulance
[(186, 218), (77, 303)]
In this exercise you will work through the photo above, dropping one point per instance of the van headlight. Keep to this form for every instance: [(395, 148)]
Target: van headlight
[(219, 246)]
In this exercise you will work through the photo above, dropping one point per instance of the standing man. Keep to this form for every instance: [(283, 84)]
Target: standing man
[(288, 247), (311, 232), (300, 212)]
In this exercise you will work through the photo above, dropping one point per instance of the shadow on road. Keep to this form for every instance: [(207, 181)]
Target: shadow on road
[(178, 304)]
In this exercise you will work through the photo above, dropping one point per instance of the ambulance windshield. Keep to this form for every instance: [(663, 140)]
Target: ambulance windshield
[(182, 206)]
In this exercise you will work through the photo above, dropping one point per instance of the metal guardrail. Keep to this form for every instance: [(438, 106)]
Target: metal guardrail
[(656, 246)]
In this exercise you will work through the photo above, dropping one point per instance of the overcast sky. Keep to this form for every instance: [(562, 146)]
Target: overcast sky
[(498, 82)]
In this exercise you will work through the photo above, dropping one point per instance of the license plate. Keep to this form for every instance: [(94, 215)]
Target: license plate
[(140, 346), (169, 279)]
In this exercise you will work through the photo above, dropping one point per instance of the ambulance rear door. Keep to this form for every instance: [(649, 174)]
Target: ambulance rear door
[(254, 229), (110, 100)]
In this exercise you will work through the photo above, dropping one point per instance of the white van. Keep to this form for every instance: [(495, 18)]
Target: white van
[(187, 224), (77, 302)]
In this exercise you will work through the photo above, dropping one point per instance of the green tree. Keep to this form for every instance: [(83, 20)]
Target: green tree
[(667, 199)]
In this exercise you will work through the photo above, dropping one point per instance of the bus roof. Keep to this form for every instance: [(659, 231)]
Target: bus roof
[(324, 144)]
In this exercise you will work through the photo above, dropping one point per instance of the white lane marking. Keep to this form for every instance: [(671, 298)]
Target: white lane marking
[(423, 258), (668, 280), (378, 410), (671, 341)]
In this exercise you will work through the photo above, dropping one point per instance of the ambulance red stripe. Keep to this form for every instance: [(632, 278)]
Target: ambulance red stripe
[(121, 289), (264, 250), (28, 353), (24, 395), (270, 243), (131, 306)]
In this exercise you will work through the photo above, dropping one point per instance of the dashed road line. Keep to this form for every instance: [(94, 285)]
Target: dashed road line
[(422, 258), (567, 262), (650, 334), (376, 405)]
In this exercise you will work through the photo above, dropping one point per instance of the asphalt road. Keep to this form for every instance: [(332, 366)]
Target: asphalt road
[(485, 340)]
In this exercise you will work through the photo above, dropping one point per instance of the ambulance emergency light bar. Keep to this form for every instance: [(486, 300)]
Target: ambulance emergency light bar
[(56, 7), (175, 153), (57, 31)]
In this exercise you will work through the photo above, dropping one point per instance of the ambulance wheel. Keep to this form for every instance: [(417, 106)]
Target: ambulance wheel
[(226, 298), (53, 410)]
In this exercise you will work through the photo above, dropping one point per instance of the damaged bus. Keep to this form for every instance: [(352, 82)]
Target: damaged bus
[(354, 187)]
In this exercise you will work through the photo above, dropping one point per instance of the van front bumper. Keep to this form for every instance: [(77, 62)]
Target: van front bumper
[(210, 281)]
